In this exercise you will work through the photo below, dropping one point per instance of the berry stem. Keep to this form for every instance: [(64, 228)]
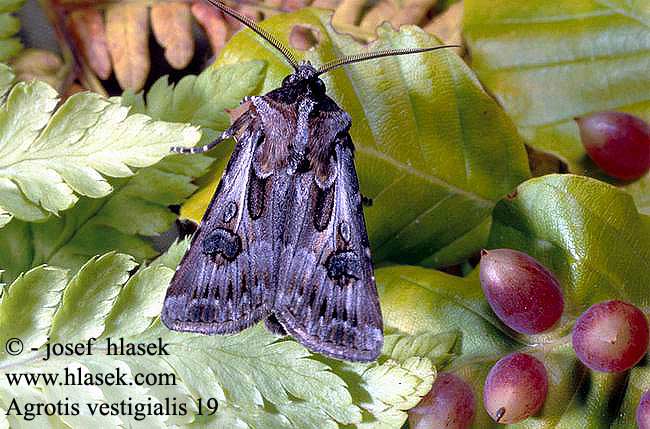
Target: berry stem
[(500, 413)]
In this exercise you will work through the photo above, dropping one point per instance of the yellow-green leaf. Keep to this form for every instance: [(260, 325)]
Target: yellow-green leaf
[(9, 26)]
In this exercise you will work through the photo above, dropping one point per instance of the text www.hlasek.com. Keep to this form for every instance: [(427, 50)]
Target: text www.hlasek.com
[(76, 377)]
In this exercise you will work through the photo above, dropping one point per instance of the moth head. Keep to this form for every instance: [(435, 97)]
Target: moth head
[(306, 75)]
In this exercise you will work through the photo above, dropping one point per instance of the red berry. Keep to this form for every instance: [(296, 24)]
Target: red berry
[(619, 143), (449, 405), (515, 388), (611, 336), (522, 292)]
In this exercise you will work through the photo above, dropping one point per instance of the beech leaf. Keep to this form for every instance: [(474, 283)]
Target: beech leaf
[(548, 63), (572, 225)]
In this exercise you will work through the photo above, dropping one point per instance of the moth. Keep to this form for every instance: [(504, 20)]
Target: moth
[(284, 239)]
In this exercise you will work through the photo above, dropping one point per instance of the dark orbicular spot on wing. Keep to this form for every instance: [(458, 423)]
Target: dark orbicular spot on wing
[(222, 242), (230, 211), (342, 265)]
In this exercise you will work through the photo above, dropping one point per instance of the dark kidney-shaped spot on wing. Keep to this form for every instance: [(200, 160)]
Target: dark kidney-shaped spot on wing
[(222, 242), (343, 266)]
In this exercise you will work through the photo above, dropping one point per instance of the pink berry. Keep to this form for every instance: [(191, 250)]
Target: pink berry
[(522, 292), (515, 388), (619, 143), (611, 336), (449, 405)]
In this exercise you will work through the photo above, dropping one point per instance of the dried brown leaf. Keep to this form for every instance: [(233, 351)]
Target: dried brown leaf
[(348, 12), (38, 64), (448, 25), (171, 23), (273, 4), (326, 4), (74, 89), (291, 5), (304, 37), (413, 12), (87, 27), (385, 10), (127, 31), (248, 11), (542, 163), (213, 23)]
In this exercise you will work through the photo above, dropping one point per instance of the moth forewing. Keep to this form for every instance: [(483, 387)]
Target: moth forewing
[(225, 281), (327, 297)]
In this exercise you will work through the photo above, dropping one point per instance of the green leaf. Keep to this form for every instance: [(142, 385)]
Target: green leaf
[(9, 26), (48, 156), (138, 207), (5, 217), (586, 231), (258, 379), (573, 225), (26, 308), (433, 150), (637, 384), (172, 257), (547, 63), (201, 100), (439, 348), (139, 302), (253, 363), (394, 387), (416, 300), (99, 282)]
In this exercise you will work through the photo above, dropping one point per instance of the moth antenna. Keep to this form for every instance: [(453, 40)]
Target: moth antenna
[(286, 52), (377, 54)]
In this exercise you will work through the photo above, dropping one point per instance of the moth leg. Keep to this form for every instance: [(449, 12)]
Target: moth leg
[(201, 149), (230, 132), (366, 201), (274, 326)]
